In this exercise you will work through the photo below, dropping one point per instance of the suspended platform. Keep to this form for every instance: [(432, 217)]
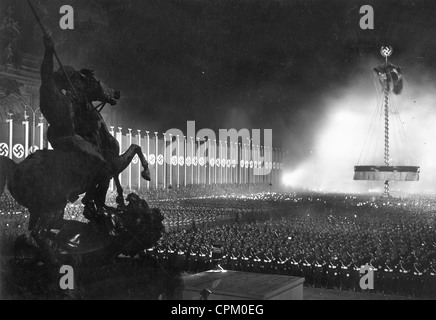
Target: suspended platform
[(387, 173)]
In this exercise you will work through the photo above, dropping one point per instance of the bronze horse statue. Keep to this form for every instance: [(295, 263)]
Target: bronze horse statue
[(47, 180), (66, 102), (84, 158)]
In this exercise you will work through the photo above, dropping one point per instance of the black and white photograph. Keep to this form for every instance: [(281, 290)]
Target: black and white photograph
[(216, 154)]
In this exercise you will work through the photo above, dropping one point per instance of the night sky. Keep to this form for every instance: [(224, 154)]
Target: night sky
[(241, 64)]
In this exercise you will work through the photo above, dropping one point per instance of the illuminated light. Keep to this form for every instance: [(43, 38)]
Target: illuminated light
[(293, 178)]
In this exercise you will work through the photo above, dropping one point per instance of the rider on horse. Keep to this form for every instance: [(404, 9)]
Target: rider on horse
[(66, 102)]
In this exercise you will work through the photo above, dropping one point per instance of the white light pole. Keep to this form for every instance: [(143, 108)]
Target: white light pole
[(192, 160), (26, 134), (165, 161), (156, 138), (185, 154), (34, 112), (198, 162), (178, 166), (120, 141), (130, 164), (139, 161), (171, 160), (10, 121), (148, 153)]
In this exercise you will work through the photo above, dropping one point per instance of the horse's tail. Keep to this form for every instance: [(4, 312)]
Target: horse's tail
[(7, 168)]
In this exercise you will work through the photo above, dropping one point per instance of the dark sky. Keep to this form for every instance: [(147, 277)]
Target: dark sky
[(230, 63)]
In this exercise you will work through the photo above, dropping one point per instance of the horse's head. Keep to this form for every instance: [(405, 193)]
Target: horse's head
[(86, 84)]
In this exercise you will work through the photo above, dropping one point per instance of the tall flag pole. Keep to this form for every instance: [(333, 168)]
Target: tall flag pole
[(245, 163), (148, 153), (130, 164), (185, 156), (386, 52), (10, 121), (236, 162), (263, 163), (208, 158), (253, 152), (192, 162), (156, 138), (165, 161), (249, 160), (205, 159), (216, 157), (112, 132), (241, 163), (178, 161), (120, 141), (231, 161), (139, 166), (197, 155), (26, 134), (41, 132), (171, 160), (226, 150), (221, 160)]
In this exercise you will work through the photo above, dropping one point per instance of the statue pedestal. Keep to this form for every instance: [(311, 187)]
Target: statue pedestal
[(235, 285)]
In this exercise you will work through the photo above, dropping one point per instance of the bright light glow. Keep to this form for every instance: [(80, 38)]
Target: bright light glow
[(294, 178), (341, 137)]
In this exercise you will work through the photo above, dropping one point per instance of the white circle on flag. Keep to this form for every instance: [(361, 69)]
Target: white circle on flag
[(201, 161), (195, 161), (212, 162), (151, 159), (242, 163), (223, 162), (247, 164), (174, 160), (135, 159), (181, 161), (218, 162), (251, 164), (188, 161), (18, 151), (234, 163), (228, 163), (4, 149), (160, 159), (255, 164), (274, 165), (270, 165)]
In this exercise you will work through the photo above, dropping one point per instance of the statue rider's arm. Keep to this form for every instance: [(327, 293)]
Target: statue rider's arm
[(55, 106)]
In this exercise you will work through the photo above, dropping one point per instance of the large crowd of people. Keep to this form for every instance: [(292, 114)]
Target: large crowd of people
[(324, 238)]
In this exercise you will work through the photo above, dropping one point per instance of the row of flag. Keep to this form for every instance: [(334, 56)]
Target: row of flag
[(174, 161)]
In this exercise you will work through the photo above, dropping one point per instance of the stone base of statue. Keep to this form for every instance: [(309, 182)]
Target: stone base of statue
[(83, 260), (139, 278)]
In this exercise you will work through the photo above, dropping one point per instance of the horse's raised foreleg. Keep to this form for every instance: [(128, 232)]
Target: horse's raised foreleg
[(120, 196), (122, 162)]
